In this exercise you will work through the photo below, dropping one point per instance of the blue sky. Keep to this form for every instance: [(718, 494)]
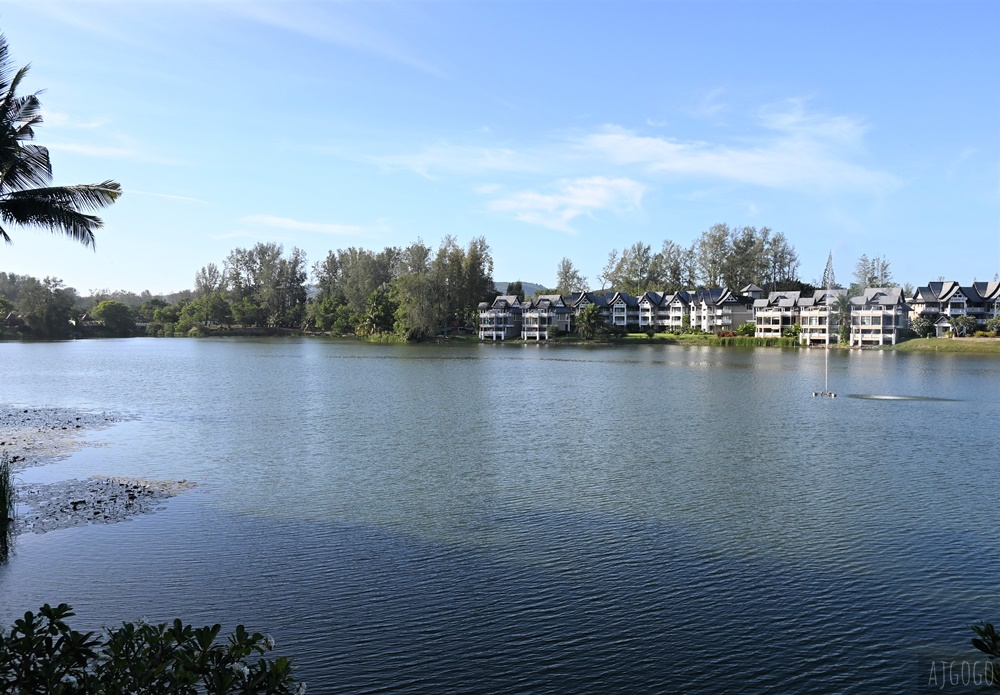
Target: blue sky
[(551, 128)]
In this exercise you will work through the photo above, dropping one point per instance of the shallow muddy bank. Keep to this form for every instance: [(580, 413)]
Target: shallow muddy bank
[(41, 436)]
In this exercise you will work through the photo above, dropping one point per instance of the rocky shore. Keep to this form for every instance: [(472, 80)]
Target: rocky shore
[(40, 436)]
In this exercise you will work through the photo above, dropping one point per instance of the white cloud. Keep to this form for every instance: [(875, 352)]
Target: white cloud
[(319, 227), (434, 160), (797, 152), (571, 199)]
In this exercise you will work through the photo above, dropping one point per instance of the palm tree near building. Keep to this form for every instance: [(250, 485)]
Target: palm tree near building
[(27, 198), (842, 315)]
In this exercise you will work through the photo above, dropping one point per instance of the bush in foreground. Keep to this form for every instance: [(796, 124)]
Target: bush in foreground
[(42, 654)]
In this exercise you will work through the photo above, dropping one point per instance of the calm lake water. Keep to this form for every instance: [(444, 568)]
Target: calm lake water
[(428, 519)]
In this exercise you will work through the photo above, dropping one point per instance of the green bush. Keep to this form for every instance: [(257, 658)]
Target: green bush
[(983, 334), (747, 329), (42, 654)]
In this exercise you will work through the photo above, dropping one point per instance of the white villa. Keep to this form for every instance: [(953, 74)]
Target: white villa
[(878, 317)]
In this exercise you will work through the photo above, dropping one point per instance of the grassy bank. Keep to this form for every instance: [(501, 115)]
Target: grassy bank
[(980, 345), (671, 339)]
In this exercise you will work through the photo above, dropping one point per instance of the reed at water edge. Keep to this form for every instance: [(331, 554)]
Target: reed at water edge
[(6, 505)]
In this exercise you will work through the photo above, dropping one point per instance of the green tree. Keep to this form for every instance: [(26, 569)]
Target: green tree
[(994, 325), (166, 314), (116, 316), (962, 326), (829, 279), (922, 326), (714, 255), (516, 289), (871, 272), (379, 313), (590, 323), (216, 308), (46, 307), (569, 279), (27, 197), (246, 312), (842, 315)]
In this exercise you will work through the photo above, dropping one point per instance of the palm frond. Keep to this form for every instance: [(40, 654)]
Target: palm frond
[(86, 196), (58, 209), (28, 166), (26, 198), (72, 223)]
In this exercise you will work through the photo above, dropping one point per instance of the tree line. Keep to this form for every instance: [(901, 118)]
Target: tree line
[(410, 292), (413, 293), (720, 256)]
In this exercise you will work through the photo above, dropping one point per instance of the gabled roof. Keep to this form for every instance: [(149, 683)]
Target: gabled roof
[(654, 298), (681, 297), (624, 297), (751, 288), (880, 296), (598, 298), (940, 291), (989, 291), (824, 297), (709, 297)]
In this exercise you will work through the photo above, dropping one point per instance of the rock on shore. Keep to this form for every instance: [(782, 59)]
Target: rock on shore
[(96, 500)]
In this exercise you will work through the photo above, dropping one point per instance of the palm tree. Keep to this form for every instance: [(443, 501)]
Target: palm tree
[(842, 314), (26, 198)]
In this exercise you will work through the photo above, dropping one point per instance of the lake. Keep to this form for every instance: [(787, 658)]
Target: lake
[(521, 518)]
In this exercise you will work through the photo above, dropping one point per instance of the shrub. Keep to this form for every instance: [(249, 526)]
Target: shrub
[(42, 654), (747, 329), (983, 334)]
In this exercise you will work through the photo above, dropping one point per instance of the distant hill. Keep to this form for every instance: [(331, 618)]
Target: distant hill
[(529, 287)]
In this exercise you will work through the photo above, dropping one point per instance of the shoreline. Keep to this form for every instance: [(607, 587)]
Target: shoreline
[(32, 437)]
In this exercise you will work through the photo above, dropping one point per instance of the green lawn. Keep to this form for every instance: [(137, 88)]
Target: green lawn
[(948, 345)]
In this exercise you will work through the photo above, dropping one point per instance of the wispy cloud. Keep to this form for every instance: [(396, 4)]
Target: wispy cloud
[(58, 119), (330, 22), (168, 196), (571, 199), (82, 16), (288, 223), (711, 106), (126, 151), (441, 159), (798, 151)]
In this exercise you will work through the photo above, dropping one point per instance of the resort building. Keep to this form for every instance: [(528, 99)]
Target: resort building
[(818, 317), (879, 316), (940, 301), (578, 300), (778, 312), (624, 310), (544, 316), (500, 320), (719, 309)]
